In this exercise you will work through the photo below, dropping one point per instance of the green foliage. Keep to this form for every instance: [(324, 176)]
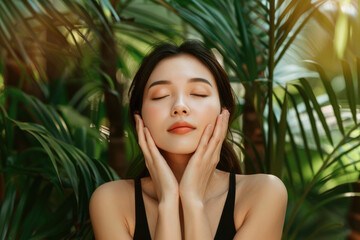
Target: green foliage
[(50, 180)]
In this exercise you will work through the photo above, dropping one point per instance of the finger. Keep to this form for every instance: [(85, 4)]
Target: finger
[(142, 140), (226, 123), (219, 132), (207, 135), (138, 122), (154, 151), (215, 154), (204, 140), (136, 117), (137, 125)]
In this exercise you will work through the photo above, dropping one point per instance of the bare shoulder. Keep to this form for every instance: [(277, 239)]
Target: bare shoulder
[(261, 184), (261, 200), (111, 207), (110, 190), (111, 194)]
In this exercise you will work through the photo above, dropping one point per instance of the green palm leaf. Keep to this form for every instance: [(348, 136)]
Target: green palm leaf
[(69, 165)]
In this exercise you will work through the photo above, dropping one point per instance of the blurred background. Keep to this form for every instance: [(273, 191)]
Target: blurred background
[(65, 69)]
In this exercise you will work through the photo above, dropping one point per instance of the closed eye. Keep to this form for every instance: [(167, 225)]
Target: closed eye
[(199, 95), (158, 98), (196, 95)]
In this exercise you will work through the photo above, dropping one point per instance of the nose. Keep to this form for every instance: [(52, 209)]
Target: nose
[(180, 109)]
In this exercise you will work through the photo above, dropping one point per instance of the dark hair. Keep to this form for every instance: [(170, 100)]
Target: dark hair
[(228, 159)]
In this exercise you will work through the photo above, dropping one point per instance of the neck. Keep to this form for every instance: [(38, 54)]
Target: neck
[(177, 163)]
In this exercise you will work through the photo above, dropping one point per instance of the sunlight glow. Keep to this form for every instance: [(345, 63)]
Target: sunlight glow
[(342, 27), (351, 194), (345, 178), (355, 133), (76, 37)]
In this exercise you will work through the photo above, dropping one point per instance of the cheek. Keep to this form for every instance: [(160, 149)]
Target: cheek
[(209, 113), (208, 110), (154, 117), (151, 114)]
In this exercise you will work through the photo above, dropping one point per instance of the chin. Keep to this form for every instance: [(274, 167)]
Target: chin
[(182, 151), (179, 149)]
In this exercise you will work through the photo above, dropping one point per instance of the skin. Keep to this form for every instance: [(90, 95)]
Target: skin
[(185, 193), (197, 103)]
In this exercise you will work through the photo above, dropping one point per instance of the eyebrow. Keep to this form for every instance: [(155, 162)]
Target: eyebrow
[(167, 82)]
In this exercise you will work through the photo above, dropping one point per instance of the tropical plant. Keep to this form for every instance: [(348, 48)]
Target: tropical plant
[(62, 107), (305, 139), (53, 150), (53, 158)]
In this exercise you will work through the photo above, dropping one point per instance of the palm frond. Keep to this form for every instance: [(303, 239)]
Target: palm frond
[(63, 165), (332, 152)]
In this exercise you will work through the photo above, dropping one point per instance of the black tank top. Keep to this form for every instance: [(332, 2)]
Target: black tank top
[(226, 228)]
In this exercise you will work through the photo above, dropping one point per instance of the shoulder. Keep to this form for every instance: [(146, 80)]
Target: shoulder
[(111, 206), (261, 200), (261, 185), (111, 192)]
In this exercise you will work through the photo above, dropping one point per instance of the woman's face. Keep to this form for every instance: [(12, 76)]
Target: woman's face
[(180, 89)]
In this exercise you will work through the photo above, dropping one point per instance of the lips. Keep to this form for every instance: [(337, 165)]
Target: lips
[(181, 128)]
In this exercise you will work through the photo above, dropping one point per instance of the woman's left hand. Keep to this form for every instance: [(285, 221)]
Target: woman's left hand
[(203, 162)]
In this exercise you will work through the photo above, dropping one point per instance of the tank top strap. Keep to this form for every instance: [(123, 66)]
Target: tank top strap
[(226, 228), (231, 193), (141, 224)]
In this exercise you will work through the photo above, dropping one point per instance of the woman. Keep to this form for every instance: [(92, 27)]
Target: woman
[(181, 104)]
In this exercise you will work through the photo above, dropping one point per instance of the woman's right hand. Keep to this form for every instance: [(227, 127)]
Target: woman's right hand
[(165, 183)]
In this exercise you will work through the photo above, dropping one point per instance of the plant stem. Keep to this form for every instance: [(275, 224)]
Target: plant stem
[(270, 143)]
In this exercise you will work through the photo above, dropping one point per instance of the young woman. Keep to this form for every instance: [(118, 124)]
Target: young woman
[(181, 104)]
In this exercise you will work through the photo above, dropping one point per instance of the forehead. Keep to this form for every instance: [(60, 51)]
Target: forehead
[(179, 69)]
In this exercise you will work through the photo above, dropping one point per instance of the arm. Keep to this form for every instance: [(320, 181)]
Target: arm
[(168, 222), (265, 218), (165, 183), (196, 223)]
